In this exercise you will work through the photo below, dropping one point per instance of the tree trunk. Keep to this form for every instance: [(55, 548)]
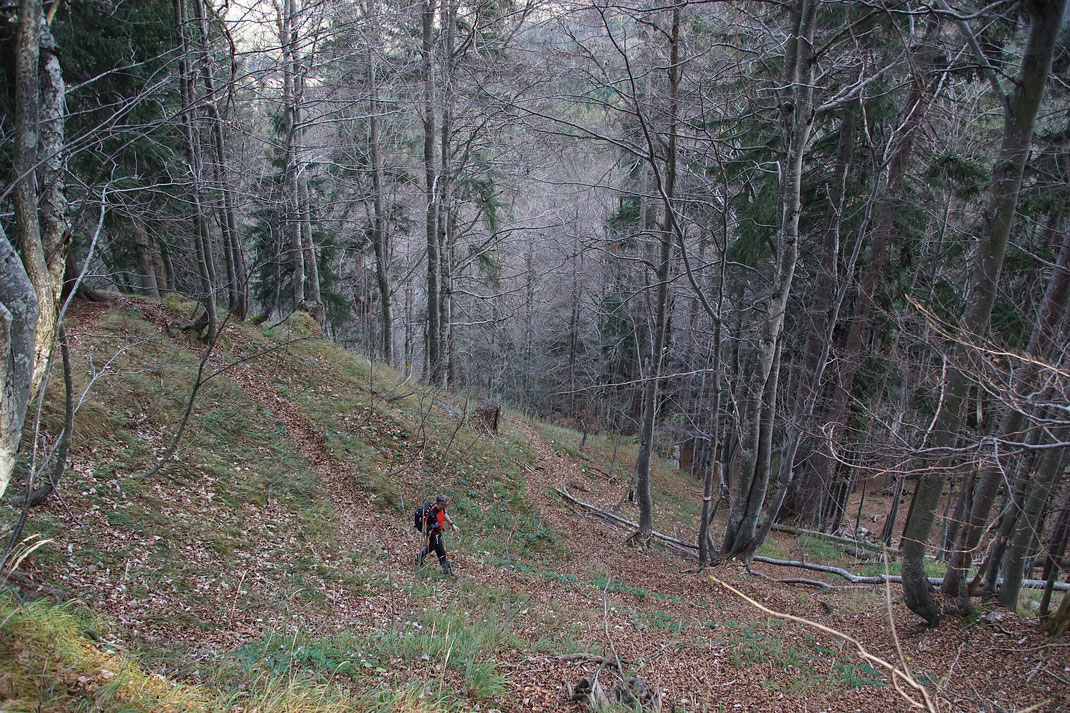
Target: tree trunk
[(52, 205), (797, 114), (25, 196), (304, 203), (447, 214), (434, 358), (202, 239), (660, 332), (1058, 624), (72, 270), (1056, 551), (380, 235), (712, 451), (63, 447), (1020, 115), (18, 323), (1025, 530), (308, 242), (168, 278), (953, 518), (828, 299), (822, 462), (803, 498), (893, 511), (237, 281), (144, 259), (1013, 505), (290, 122)]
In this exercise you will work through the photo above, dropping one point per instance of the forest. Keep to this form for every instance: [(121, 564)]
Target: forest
[(677, 301)]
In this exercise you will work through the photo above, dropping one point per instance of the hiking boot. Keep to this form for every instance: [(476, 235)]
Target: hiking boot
[(447, 569)]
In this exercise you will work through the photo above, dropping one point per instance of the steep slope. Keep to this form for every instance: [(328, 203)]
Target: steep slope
[(270, 565)]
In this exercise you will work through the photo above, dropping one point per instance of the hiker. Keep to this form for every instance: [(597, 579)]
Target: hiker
[(434, 521)]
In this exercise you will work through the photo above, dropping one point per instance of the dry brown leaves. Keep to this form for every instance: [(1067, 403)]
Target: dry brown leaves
[(694, 643)]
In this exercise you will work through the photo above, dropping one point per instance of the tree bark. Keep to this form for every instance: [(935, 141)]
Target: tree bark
[(63, 447), (828, 299), (25, 195), (447, 215), (1015, 501), (52, 206), (822, 463), (18, 325), (202, 238), (436, 371), (308, 242), (1058, 624), (237, 280), (1025, 381), (952, 520), (804, 496), (144, 259), (1056, 551), (380, 234), (290, 123), (660, 327), (713, 467)]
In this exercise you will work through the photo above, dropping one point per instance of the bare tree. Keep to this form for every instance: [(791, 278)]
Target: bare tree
[(797, 111)]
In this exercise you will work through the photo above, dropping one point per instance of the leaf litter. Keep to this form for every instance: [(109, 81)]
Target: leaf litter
[(696, 644)]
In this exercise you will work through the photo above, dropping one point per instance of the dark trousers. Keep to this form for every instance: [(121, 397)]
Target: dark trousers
[(434, 543)]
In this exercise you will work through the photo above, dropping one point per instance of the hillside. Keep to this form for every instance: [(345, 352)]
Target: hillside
[(270, 565)]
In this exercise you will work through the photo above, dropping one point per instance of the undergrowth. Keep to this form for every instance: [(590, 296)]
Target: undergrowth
[(49, 664)]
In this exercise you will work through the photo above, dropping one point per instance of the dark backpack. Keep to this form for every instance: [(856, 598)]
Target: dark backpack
[(420, 516)]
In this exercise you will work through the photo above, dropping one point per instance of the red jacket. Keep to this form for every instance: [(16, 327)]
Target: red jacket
[(436, 520)]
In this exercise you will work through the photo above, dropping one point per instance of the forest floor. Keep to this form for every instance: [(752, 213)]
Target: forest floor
[(272, 566)]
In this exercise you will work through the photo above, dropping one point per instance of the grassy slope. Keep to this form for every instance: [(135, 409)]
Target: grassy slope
[(242, 503), (608, 457), (230, 567)]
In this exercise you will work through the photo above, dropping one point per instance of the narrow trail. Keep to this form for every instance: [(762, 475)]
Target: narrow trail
[(551, 471), (537, 681)]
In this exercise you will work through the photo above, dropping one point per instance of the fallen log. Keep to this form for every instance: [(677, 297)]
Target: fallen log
[(808, 582), (837, 571), (689, 548), (591, 658), (617, 519), (862, 544), (881, 578)]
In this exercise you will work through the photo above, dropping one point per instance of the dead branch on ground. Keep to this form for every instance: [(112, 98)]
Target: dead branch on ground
[(900, 676), (689, 548)]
